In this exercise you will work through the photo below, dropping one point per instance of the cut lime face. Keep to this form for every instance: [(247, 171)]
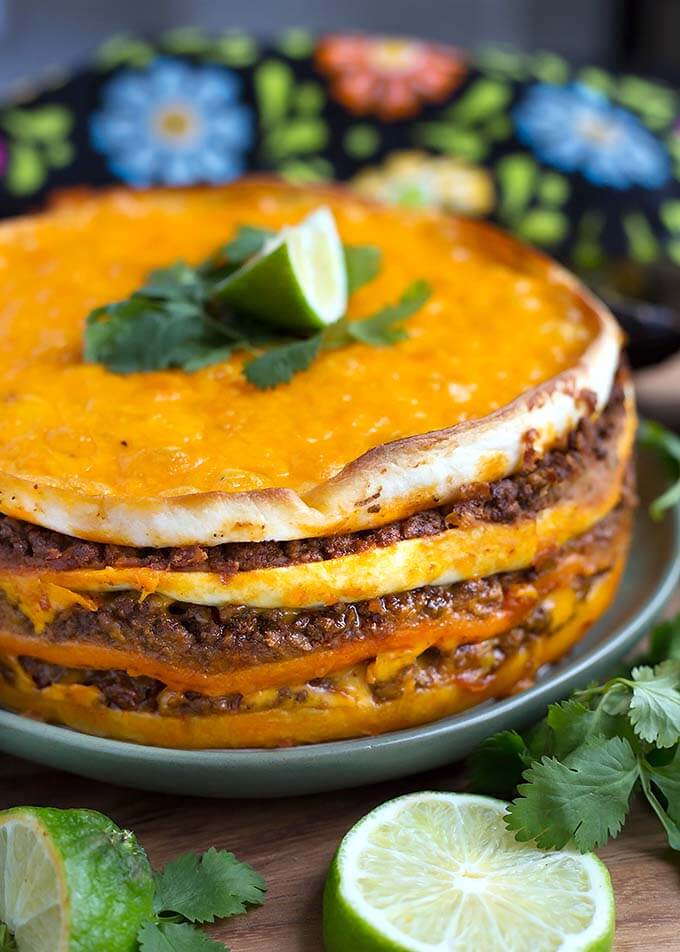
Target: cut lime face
[(71, 881), (298, 282), (437, 872)]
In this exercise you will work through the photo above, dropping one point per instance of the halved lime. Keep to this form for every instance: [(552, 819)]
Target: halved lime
[(71, 881), (436, 872), (299, 279)]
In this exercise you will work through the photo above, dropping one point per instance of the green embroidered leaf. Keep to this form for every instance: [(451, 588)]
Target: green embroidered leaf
[(59, 154), (124, 50), (235, 49), (361, 141), (516, 176), (43, 124), (642, 243), (26, 171), (553, 189), (550, 68), (305, 171), (309, 99), (455, 140), (273, 87), (186, 40), (543, 226), (670, 215), (484, 98), (296, 43), (297, 135)]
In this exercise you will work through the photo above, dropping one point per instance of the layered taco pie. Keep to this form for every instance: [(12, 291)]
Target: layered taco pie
[(280, 466)]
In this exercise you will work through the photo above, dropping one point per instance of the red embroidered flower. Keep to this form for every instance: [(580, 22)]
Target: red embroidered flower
[(385, 77)]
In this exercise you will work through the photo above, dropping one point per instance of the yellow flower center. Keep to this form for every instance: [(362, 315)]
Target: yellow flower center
[(598, 130), (395, 56), (176, 123)]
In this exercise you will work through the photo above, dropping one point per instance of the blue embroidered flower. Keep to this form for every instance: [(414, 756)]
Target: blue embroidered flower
[(575, 128), (173, 123)]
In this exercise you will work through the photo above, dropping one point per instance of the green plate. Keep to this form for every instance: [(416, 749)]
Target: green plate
[(652, 575)]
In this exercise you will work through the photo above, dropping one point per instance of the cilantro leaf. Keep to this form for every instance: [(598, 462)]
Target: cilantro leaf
[(175, 937), (279, 364), (664, 643), (249, 241), (176, 319), (655, 705), (667, 778), (669, 816), (572, 723), (141, 334), (214, 885), (178, 282), (362, 263), (496, 767), (385, 327), (656, 436), (585, 798), (7, 943)]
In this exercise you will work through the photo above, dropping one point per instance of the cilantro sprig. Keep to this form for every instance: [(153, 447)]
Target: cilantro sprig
[(278, 364), (176, 319), (198, 889), (657, 437), (577, 770), (7, 943)]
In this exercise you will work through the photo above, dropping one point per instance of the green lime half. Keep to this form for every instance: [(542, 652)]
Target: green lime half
[(298, 281), (71, 881), (436, 872)]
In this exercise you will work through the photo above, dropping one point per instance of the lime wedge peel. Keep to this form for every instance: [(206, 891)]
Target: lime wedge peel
[(298, 281), (71, 881), (439, 872)]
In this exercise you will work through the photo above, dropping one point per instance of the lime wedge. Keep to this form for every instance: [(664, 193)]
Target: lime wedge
[(433, 872), (298, 281), (71, 881)]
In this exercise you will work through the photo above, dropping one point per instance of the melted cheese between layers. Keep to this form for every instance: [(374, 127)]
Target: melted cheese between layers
[(329, 715), (454, 555)]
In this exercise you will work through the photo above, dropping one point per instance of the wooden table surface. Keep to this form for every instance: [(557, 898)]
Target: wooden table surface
[(291, 842)]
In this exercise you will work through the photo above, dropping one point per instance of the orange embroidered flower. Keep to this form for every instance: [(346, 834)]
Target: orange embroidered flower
[(388, 77)]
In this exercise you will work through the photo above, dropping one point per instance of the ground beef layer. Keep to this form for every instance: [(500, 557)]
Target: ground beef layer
[(213, 640), (470, 665), (589, 452)]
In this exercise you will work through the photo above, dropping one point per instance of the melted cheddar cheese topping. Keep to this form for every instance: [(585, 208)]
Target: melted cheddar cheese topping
[(489, 332)]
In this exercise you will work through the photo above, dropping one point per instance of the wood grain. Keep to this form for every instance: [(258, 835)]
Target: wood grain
[(291, 842)]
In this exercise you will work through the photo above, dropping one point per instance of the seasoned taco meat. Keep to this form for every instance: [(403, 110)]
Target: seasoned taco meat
[(588, 454)]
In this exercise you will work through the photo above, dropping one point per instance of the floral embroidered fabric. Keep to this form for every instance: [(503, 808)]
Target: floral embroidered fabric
[(575, 159)]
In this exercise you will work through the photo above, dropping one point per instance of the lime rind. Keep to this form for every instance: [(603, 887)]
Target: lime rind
[(435, 872), (298, 282), (88, 883)]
